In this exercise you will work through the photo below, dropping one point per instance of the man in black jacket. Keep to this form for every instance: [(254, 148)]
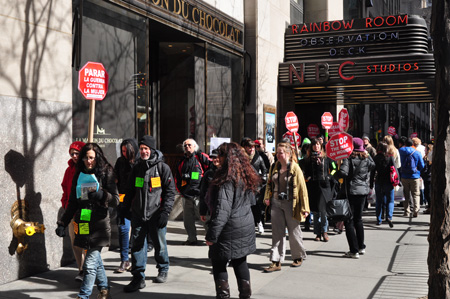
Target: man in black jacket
[(149, 195), (188, 177)]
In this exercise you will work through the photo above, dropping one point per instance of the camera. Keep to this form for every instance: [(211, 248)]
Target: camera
[(185, 176), (282, 196)]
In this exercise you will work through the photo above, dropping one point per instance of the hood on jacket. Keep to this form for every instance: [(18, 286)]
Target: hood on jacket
[(155, 157)]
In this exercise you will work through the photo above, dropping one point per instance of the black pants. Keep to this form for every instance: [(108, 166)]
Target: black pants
[(239, 265), (354, 228)]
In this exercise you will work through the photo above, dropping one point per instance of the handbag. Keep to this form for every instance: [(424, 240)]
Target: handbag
[(338, 209)]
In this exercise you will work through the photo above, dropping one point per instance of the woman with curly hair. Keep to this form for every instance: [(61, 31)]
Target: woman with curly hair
[(93, 191), (286, 193), (231, 233)]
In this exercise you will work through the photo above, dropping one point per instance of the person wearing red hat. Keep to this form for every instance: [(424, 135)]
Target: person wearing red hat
[(74, 152)]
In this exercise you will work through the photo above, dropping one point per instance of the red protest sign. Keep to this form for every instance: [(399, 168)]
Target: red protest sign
[(290, 136), (327, 120), (392, 131), (93, 81), (340, 146), (343, 120), (413, 135), (334, 129), (313, 130), (291, 121)]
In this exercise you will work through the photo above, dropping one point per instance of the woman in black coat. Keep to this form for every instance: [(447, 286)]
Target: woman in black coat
[(231, 234), (317, 168), (356, 171), (93, 191)]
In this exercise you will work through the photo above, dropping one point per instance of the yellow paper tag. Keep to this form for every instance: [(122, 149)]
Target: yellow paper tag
[(183, 183), (121, 197), (156, 182), (84, 228)]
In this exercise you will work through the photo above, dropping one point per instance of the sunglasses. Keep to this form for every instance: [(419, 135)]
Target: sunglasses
[(187, 145), (74, 154)]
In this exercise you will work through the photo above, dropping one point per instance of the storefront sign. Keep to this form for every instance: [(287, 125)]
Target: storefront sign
[(313, 130), (199, 15), (356, 50), (340, 146)]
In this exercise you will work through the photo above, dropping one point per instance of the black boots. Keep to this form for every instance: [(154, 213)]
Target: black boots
[(244, 289), (222, 289)]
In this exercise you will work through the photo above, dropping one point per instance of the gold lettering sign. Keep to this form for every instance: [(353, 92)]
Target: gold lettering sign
[(200, 17)]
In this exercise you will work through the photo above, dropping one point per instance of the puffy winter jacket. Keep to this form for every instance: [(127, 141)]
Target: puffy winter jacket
[(150, 188), (232, 229), (357, 170)]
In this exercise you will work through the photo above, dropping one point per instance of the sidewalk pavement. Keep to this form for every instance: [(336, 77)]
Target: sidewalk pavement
[(394, 266)]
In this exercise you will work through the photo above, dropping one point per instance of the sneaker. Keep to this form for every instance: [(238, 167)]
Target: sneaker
[(134, 285), (260, 228), (190, 243), (352, 255), (274, 266), (80, 276), (161, 278), (362, 251), (124, 266), (104, 294), (297, 263)]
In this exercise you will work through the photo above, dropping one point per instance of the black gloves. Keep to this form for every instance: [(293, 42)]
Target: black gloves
[(60, 231), (96, 195), (163, 218)]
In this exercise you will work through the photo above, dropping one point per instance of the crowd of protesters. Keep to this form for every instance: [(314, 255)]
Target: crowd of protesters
[(235, 191)]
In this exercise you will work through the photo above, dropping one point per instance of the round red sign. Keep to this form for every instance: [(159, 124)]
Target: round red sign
[(291, 121), (327, 120), (93, 81), (313, 130), (340, 146), (392, 131), (334, 129)]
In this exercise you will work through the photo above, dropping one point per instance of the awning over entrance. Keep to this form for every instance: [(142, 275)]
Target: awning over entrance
[(365, 61)]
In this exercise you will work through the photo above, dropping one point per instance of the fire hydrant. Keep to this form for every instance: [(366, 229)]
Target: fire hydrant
[(22, 228)]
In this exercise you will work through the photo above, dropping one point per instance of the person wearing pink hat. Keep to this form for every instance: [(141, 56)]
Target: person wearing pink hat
[(74, 152)]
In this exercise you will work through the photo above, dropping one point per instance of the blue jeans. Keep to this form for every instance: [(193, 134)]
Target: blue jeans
[(93, 270), (124, 237), (385, 197), (139, 232), (320, 222)]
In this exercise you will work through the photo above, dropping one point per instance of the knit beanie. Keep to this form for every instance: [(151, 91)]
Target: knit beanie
[(148, 141), (77, 145)]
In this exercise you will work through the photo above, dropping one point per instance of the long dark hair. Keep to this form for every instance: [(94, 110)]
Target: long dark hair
[(310, 148), (236, 168), (102, 166), (383, 148)]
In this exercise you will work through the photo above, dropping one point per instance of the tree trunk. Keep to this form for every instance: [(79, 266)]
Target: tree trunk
[(439, 235)]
